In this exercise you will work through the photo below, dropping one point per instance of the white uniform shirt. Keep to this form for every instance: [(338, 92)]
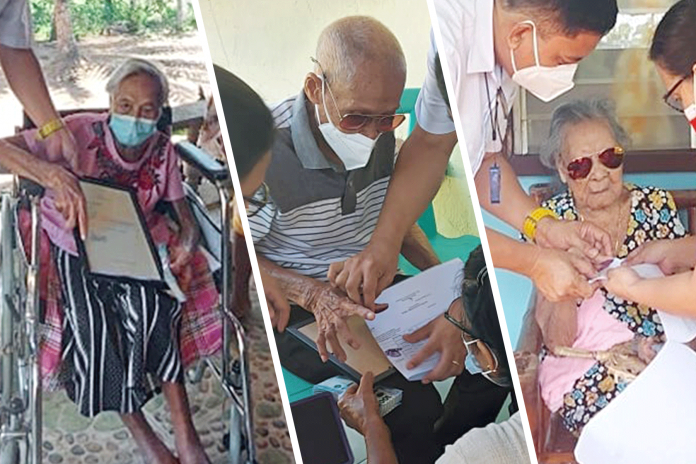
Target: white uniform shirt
[(501, 443), (15, 24), (466, 29)]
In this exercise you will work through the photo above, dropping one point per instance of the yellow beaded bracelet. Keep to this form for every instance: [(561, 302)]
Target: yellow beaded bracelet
[(49, 128), (533, 218)]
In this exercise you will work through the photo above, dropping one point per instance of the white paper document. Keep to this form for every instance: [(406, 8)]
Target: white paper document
[(412, 304), (653, 420)]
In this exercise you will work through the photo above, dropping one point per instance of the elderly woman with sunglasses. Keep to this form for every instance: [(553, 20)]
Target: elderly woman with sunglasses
[(577, 375)]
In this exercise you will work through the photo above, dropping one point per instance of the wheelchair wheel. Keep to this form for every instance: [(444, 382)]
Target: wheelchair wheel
[(9, 449)]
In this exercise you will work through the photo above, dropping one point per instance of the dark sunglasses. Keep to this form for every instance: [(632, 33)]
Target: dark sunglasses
[(671, 100), (581, 167), (354, 122), (259, 200)]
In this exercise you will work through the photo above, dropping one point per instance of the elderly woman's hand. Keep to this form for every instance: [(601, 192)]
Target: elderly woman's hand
[(673, 256), (592, 241), (69, 199), (331, 308), (560, 275), (359, 406)]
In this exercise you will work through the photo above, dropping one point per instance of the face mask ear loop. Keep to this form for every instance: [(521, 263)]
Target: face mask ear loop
[(536, 44)]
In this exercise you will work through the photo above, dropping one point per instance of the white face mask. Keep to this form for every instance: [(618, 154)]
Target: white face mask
[(544, 82), (354, 150)]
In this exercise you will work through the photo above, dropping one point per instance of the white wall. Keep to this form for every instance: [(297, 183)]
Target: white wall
[(268, 42)]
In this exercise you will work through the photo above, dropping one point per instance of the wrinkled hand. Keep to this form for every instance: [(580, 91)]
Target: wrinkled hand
[(331, 308), (673, 256), (592, 241), (560, 275), (69, 199), (359, 406), (364, 276), (278, 305), (620, 280), (444, 338), (62, 145)]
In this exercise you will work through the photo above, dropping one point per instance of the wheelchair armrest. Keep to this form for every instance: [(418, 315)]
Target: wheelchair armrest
[(211, 168)]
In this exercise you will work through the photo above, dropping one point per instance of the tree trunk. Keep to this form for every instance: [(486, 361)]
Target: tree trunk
[(180, 5), (64, 33)]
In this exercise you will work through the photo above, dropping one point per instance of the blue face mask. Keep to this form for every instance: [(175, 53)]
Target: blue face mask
[(130, 131), (472, 365)]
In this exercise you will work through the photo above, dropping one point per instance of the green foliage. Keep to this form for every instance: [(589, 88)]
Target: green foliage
[(95, 17)]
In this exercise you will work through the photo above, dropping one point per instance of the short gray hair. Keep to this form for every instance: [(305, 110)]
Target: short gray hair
[(575, 112), (344, 45), (134, 66)]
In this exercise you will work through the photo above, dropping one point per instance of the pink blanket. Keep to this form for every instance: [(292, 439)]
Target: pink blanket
[(597, 330)]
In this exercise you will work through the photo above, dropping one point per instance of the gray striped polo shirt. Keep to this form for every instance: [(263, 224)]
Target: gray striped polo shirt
[(318, 212)]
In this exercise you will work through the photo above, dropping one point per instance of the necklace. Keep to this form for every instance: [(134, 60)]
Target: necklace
[(621, 224)]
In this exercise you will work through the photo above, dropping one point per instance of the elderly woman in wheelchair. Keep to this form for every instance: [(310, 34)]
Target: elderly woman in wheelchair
[(594, 348), (111, 342)]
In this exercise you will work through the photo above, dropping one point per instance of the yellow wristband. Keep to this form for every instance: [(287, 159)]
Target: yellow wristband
[(49, 128), (533, 218)]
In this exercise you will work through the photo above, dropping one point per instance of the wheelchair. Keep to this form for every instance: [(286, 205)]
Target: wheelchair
[(20, 381)]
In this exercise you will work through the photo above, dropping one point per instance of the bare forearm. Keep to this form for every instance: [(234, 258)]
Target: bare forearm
[(378, 443), (514, 204), (417, 249), (27, 82), (674, 294), (22, 163), (293, 285), (417, 176), (511, 254)]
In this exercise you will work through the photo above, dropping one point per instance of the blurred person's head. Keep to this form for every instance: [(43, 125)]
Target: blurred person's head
[(483, 335), (250, 126), (355, 88), (674, 52), (586, 147), (138, 90), (210, 135), (540, 42)]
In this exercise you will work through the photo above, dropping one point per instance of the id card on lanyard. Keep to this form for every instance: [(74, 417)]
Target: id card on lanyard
[(494, 174)]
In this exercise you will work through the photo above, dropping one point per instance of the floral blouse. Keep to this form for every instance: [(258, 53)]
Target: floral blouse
[(654, 216)]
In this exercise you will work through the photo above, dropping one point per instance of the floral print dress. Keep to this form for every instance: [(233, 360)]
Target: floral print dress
[(654, 216)]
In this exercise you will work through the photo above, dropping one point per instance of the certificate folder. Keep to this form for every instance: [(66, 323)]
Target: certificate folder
[(369, 357), (118, 244)]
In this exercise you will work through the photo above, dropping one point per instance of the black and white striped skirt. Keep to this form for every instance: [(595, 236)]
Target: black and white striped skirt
[(120, 339)]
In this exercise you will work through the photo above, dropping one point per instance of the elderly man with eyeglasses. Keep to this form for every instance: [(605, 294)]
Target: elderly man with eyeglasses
[(332, 161)]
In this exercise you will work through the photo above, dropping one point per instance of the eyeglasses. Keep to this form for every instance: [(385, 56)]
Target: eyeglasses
[(259, 200), (475, 347), (671, 100), (580, 168), (353, 122)]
